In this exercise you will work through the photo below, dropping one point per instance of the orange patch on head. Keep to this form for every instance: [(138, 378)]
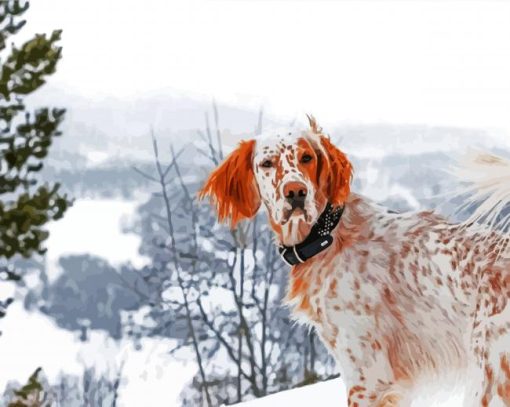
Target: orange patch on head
[(307, 159), (338, 172), (331, 170), (232, 186)]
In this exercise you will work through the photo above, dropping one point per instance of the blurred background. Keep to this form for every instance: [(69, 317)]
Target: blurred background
[(136, 296)]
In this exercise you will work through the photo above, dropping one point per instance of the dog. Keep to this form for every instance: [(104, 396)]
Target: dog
[(413, 308)]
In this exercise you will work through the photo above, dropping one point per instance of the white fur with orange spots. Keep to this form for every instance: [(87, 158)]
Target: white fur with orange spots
[(411, 306), (284, 149), (403, 302)]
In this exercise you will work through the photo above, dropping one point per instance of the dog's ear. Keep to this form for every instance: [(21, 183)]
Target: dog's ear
[(232, 186), (338, 171)]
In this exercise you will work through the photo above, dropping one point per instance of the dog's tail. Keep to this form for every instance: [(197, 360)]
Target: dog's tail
[(487, 180)]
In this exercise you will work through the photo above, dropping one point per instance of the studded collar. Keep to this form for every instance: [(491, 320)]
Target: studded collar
[(318, 240)]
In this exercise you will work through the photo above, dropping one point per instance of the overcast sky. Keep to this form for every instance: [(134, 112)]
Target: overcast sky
[(435, 62)]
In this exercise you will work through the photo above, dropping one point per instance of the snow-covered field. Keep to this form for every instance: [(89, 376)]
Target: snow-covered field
[(325, 394), (333, 394), (151, 377)]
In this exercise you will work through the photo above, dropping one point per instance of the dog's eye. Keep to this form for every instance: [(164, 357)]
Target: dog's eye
[(306, 158), (267, 164)]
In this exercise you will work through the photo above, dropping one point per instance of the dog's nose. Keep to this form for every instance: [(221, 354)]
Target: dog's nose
[(295, 192)]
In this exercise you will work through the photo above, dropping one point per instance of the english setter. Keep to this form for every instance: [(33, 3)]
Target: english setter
[(411, 306)]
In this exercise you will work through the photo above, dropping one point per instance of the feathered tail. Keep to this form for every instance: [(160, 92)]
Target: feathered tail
[(488, 191)]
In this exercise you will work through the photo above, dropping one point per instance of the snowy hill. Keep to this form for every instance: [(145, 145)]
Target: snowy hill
[(329, 394), (332, 393)]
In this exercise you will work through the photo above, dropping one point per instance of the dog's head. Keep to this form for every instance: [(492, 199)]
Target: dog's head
[(295, 173)]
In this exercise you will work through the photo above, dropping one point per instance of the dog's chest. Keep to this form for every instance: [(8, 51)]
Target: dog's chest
[(367, 294), (339, 298)]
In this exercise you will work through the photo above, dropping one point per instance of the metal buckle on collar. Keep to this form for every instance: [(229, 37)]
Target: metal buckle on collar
[(283, 251), (297, 255), (282, 255), (317, 240)]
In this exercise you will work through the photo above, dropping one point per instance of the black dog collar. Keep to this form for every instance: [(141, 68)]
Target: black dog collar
[(318, 240)]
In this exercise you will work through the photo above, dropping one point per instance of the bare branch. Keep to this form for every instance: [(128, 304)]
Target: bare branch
[(218, 133), (144, 174), (258, 128), (174, 160), (208, 140)]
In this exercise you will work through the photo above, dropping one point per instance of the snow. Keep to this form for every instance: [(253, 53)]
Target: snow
[(151, 376), (94, 226), (328, 394), (96, 157), (332, 393), (378, 185)]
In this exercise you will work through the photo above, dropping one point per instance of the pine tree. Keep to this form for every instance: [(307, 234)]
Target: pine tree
[(27, 204), (32, 394)]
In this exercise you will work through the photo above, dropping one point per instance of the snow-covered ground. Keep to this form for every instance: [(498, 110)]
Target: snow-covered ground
[(326, 394), (151, 377), (333, 394)]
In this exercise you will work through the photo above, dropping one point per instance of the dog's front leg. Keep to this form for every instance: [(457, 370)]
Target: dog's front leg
[(382, 396), (371, 384)]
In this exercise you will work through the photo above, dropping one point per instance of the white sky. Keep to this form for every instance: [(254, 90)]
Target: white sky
[(435, 62)]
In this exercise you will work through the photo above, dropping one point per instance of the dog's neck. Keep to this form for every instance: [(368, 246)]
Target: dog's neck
[(335, 227), (358, 221), (318, 240), (356, 227)]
